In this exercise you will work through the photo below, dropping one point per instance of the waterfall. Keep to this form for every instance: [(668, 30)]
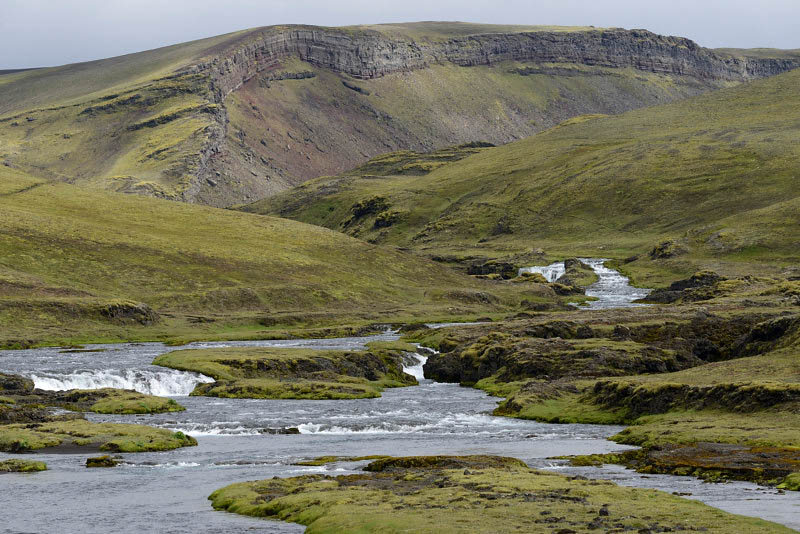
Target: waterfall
[(165, 383), (412, 365), (550, 272)]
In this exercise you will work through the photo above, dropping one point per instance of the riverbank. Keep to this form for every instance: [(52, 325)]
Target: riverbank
[(239, 440), (476, 494), (715, 396)]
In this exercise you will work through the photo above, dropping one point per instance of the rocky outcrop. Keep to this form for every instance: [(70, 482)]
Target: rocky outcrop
[(370, 54)]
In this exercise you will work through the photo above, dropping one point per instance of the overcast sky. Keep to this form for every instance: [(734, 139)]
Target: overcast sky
[(55, 32)]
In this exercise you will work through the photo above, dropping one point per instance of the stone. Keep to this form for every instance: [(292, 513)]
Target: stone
[(101, 461)]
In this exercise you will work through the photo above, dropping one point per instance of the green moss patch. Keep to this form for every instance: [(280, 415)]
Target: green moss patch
[(113, 401), (78, 433), (325, 460), (471, 495), (293, 373), (21, 466)]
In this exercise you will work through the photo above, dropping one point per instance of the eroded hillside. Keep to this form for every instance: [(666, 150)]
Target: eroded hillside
[(244, 116)]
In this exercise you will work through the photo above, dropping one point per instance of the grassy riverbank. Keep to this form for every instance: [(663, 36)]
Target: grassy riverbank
[(717, 396), (475, 494)]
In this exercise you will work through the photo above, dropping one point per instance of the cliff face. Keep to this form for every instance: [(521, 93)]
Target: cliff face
[(239, 117), (369, 54)]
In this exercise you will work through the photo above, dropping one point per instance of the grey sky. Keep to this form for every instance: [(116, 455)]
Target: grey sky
[(54, 32)]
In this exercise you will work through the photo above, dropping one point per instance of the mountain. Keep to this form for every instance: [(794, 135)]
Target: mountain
[(707, 182), (243, 116)]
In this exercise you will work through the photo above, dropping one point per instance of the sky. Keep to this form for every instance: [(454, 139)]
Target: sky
[(36, 33)]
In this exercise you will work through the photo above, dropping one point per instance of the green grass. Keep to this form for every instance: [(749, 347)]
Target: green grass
[(716, 173), (76, 264), (436, 31), (21, 466), (131, 402), (470, 494), (293, 373), (80, 433)]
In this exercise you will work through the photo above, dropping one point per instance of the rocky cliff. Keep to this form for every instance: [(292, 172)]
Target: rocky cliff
[(240, 117), (370, 54)]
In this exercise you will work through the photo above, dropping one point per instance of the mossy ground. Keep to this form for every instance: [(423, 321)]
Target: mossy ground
[(84, 266), (693, 422), (21, 466), (77, 433), (731, 411), (118, 401), (471, 494), (294, 373)]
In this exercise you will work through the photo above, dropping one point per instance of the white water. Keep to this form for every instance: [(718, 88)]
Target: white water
[(416, 370), (612, 289), (551, 272), (167, 491), (165, 383)]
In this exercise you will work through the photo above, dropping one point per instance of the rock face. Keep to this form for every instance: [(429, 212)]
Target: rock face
[(370, 54), (249, 115), (247, 157)]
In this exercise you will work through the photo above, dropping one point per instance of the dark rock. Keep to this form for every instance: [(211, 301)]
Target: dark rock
[(281, 431), (413, 327), (127, 312), (697, 287), (15, 385), (565, 290), (621, 333), (101, 461), (505, 269), (356, 88), (668, 249)]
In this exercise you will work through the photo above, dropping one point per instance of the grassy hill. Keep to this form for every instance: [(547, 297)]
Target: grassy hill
[(213, 122), (707, 182), (79, 265)]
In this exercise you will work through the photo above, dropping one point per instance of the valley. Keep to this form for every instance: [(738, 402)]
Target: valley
[(421, 277)]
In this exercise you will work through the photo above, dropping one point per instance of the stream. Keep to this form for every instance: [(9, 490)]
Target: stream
[(612, 289), (167, 491)]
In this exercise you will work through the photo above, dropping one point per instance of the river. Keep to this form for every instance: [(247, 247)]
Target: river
[(167, 491)]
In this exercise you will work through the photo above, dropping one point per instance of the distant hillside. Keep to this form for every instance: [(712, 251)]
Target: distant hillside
[(243, 116), (708, 182), (78, 264)]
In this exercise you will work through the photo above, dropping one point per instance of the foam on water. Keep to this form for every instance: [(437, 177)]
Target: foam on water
[(612, 289), (416, 369), (167, 383), (550, 272)]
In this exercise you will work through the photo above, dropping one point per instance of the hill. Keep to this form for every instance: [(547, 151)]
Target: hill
[(243, 116), (709, 182), (79, 265)]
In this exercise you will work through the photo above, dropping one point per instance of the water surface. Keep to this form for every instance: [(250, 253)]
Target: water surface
[(167, 491)]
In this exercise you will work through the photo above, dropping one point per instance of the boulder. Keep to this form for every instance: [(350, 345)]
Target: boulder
[(101, 461)]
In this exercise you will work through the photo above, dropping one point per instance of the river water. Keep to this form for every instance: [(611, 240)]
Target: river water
[(612, 289), (167, 491)]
